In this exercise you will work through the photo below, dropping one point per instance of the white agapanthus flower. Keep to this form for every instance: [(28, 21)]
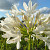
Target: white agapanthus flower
[(43, 27), (13, 26), (44, 18), (13, 34), (29, 9)]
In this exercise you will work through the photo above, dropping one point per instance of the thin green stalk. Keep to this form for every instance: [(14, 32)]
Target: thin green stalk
[(24, 48), (17, 49), (45, 46), (6, 46), (2, 47), (29, 43), (32, 44)]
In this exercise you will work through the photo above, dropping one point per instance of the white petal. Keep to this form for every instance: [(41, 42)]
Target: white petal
[(30, 5), (7, 14), (33, 38), (48, 44), (46, 20), (14, 40), (8, 35), (47, 32), (25, 6), (34, 6), (22, 11), (15, 7), (43, 38), (47, 25), (38, 29), (18, 45), (4, 29), (38, 36), (2, 23)]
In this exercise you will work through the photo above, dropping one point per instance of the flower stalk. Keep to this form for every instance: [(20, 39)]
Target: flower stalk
[(45, 48), (29, 42), (32, 44)]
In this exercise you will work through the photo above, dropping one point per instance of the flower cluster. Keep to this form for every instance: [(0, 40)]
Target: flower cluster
[(33, 21)]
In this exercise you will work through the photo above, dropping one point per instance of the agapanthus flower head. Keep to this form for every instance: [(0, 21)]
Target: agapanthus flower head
[(15, 29)]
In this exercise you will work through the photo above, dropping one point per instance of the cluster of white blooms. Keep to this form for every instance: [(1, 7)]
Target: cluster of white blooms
[(43, 27), (31, 17), (13, 34)]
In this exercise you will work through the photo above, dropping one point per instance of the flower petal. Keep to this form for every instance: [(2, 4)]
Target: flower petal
[(30, 5), (34, 6), (18, 45), (25, 6)]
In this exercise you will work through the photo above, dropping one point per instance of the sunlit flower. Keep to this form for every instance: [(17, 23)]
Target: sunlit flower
[(13, 34), (34, 25), (43, 27), (29, 9)]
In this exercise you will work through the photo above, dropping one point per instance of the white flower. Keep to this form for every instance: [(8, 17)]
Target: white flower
[(29, 9), (10, 26), (13, 38), (39, 29), (43, 27), (44, 18)]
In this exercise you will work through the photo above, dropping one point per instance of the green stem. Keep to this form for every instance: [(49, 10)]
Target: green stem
[(17, 49), (29, 43), (32, 44), (45, 46)]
